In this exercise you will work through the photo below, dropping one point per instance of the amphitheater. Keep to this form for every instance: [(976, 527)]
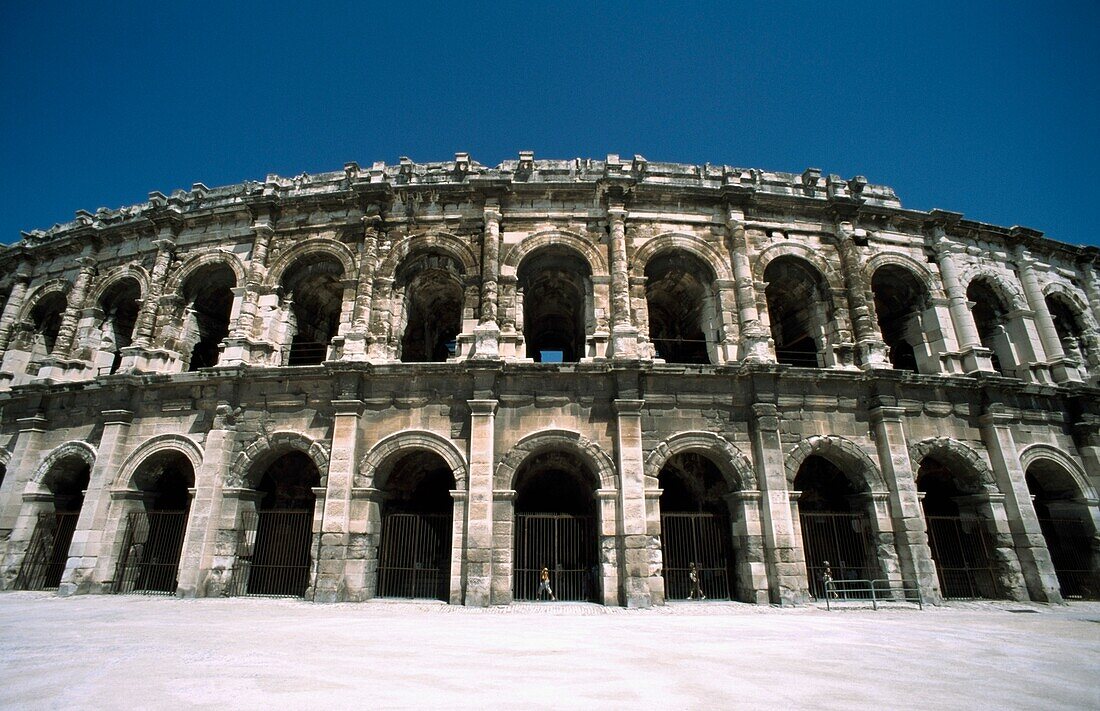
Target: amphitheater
[(435, 380)]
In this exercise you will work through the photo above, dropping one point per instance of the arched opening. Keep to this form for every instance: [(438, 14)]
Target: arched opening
[(153, 530), (208, 293), (696, 534), (119, 306), (57, 514), (991, 319), (46, 317), (1067, 529), (837, 533), (1070, 328), (900, 297), (275, 557), (555, 528), (958, 532), (798, 310), (433, 295), (414, 559), (313, 296), (681, 301), (555, 286)]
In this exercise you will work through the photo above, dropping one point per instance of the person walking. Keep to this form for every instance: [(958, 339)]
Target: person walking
[(544, 584), (696, 591)]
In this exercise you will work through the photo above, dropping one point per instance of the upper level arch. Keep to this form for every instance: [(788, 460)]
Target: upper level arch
[(318, 246), (555, 237), (197, 262), (1008, 292), (413, 245), (598, 461), (691, 244), (734, 465), (112, 279), (848, 456), (832, 278), (372, 465), (60, 287), (920, 271), (249, 465)]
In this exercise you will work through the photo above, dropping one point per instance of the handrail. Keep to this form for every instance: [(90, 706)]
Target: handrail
[(833, 587)]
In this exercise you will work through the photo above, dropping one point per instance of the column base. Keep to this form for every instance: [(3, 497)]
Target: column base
[(486, 342)]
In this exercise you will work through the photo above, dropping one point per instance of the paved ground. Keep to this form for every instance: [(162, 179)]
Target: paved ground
[(115, 652)]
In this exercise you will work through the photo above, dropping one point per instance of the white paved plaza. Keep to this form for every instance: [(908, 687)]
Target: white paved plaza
[(140, 652)]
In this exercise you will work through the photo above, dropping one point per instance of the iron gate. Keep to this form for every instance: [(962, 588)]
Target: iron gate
[(150, 555), (1070, 545), (961, 548), (703, 539), (48, 552), (415, 556), (843, 539), (273, 553), (565, 544)]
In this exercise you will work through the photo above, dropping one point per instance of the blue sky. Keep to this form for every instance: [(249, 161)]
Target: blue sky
[(986, 109)]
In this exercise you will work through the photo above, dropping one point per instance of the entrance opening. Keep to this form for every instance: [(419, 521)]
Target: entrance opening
[(48, 552), (695, 529), (957, 534), (798, 311), (556, 528), (680, 296), (555, 284), (46, 317), (414, 559), (153, 536), (275, 557), (836, 530), (119, 304), (433, 308), (1067, 529), (314, 293), (991, 319), (209, 296), (899, 300)]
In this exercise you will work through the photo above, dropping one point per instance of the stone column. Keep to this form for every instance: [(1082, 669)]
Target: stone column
[(504, 522), (635, 542), (786, 563), (242, 335), (65, 334), (17, 521), (147, 316), (89, 539), (479, 504), (974, 356), (333, 583), (624, 336), (748, 538), (1027, 536), (607, 507), (1090, 271), (378, 340), (910, 535), (198, 575), (13, 306), (870, 347), (355, 340), (755, 345), (487, 332), (1062, 368)]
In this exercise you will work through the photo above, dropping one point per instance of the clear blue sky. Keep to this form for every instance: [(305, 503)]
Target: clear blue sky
[(986, 109)]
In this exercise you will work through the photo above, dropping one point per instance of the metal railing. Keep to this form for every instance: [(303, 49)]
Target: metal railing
[(150, 556), (48, 552), (702, 539), (415, 556), (273, 554), (563, 543), (878, 590)]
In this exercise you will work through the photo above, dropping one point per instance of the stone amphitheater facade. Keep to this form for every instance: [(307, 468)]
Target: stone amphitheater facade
[(545, 349)]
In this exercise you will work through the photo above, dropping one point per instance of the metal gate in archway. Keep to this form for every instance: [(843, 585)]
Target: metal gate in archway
[(1070, 545), (150, 557), (962, 550), (414, 558), (48, 551), (564, 543), (702, 539), (843, 539), (274, 553)]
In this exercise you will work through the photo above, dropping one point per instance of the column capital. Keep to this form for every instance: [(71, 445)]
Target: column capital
[(627, 406), (482, 407), (117, 417), (348, 407), (34, 423), (886, 413), (504, 494), (617, 211)]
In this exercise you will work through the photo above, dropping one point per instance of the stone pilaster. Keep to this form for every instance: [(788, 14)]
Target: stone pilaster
[(487, 332), (974, 356), (239, 344), (786, 563), (635, 541), (147, 316), (1062, 369), (355, 340), (199, 575), (1027, 536), (910, 536), (65, 334), (1090, 272), (756, 344), (17, 524), (748, 540), (870, 348), (624, 336), (479, 504), (378, 340), (90, 538), (332, 582), (13, 306)]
